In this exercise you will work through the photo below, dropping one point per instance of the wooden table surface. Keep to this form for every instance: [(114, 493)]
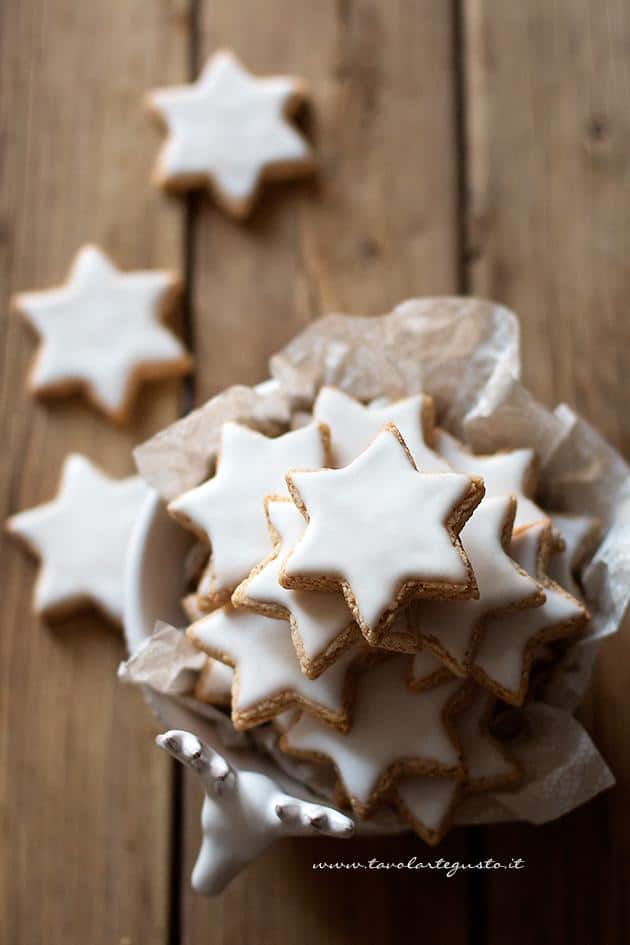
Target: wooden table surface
[(468, 146)]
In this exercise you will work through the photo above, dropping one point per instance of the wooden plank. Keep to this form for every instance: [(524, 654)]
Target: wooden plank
[(85, 797), (378, 226), (549, 198)]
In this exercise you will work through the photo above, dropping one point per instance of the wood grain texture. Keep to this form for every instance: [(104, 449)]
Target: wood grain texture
[(85, 797), (547, 86), (379, 224)]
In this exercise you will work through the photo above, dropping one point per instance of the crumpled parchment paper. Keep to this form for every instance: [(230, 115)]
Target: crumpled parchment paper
[(465, 354)]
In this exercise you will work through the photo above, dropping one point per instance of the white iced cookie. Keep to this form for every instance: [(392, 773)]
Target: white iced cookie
[(322, 626), (101, 332), (228, 131), (214, 684), (395, 732), (267, 678), (228, 510), (451, 629), (507, 473), (505, 654), (382, 532), (353, 426), (580, 534), (81, 538), (427, 803)]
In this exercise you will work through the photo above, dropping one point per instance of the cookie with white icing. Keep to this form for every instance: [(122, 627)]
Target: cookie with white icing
[(452, 629), (353, 426), (580, 534), (228, 509), (395, 732), (381, 531), (229, 131), (509, 472), (81, 539), (214, 683), (322, 626), (267, 676), (102, 333), (504, 657), (427, 804)]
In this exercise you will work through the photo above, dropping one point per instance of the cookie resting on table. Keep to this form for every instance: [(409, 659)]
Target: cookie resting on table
[(322, 626), (101, 333), (353, 426), (229, 131), (267, 678), (382, 532), (228, 509), (81, 537)]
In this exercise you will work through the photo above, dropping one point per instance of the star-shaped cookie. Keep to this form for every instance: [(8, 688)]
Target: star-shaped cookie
[(512, 472), (580, 534), (267, 678), (395, 732), (101, 332), (382, 532), (353, 426), (228, 131), (452, 629), (81, 537), (322, 626), (427, 803), (506, 651), (228, 509)]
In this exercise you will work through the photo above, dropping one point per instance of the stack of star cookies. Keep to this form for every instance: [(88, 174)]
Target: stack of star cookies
[(380, 595)]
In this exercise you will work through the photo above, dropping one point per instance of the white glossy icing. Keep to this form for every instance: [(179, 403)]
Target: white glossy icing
[(318, 617), (501, 653), (425, 664), (243, 812), (228, 127), (503, 473), (449, 627), (100, 327), (353, 426), (427, 800), (267, 666), (229, 508), (377, 524), (81, 537), (579, 533), (390, 723), (214, 684)]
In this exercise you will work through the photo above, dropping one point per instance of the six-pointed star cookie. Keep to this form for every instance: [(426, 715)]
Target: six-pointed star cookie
[(81, 538), (229, 130), (101, 332), (512, 472), (321, 624), (394, 732), (382, 531), (580, 534), (353, 426), (267, 678), (427, 803), (452, 628), (504, 656), (229, 509)]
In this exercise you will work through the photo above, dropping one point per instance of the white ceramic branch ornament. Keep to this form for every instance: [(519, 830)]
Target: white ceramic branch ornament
[(243, 813)]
